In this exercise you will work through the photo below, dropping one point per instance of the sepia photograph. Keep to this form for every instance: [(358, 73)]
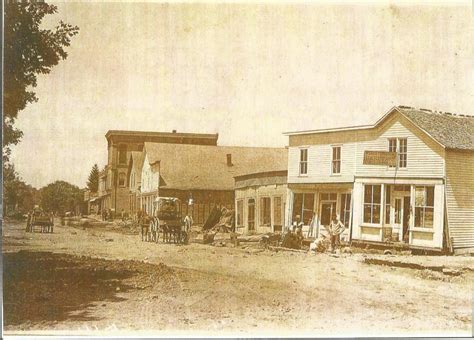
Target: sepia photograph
[(238, 169)]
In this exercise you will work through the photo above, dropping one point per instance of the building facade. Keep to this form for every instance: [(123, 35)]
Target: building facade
[(408, 179), (120, 144), (201, 174), (260, 200)]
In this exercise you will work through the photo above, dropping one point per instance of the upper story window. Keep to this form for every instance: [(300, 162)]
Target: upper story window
[(399, 145), (402, 152), (303, 161), (122, 152), (122, 179), (336, 160)]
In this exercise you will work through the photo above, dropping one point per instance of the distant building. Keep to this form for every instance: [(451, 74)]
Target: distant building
[(115, 193), (260, 200), (409, 178), (134, 176), (204, 174)]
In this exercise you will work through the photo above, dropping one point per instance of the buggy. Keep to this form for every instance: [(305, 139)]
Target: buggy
[(44, 221), (166, 220)]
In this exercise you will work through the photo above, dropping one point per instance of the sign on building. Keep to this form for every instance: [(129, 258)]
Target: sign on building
[(380, 158)]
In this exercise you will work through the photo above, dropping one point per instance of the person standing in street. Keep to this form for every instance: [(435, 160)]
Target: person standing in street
[(336, 228)]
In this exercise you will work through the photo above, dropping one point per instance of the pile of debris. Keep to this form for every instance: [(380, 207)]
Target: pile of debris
[(219, 226)]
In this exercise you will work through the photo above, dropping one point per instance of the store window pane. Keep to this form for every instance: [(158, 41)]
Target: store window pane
[(377, 190), (418, 217), (419, 196), (430, 196), (367, 213), (367, 193), (428, 218), (376, 213)]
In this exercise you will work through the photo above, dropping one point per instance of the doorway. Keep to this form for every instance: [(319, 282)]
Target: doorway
[(327, 213), (251, 214)]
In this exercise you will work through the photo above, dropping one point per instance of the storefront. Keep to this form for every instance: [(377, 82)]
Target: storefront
[(318, 204), (410, 213), (407, 179)]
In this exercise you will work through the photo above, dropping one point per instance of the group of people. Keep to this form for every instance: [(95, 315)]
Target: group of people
[(334, 230)]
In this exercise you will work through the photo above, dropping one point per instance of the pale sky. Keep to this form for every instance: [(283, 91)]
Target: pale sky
[(249, 72)]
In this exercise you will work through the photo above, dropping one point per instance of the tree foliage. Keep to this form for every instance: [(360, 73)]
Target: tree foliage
[(93, 180), (60, 197), (28, 51), (18, 197)]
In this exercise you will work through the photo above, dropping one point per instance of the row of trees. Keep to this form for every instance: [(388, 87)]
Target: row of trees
[(59, 196), (19, 197)]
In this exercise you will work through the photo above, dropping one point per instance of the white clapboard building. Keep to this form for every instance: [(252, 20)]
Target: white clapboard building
[(408, 179)]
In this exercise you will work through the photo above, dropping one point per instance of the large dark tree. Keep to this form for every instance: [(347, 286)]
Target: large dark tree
[(93, 180), (29, 50), (61, 197)]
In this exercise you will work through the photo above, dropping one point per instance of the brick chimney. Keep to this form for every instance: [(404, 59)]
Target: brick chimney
[(174, 131)]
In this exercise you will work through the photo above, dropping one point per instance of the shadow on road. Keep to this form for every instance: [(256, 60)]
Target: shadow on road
[(42, 286)]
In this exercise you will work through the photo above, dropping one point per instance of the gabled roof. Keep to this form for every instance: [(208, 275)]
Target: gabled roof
[(450, 130), (136, 161), (202, 167)]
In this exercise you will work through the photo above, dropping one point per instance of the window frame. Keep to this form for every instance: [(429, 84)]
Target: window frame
[(397, 145), (424, 207), (239, 212), (122, 149), (336, 161), (372, 203), (262, 211), (123, 176), (303, 162)]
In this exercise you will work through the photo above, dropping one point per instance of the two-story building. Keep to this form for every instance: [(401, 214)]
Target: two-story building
[(120, 145), (200, 173), (408, 178)]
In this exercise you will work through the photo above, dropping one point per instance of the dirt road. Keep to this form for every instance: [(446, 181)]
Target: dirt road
[(98, 281)]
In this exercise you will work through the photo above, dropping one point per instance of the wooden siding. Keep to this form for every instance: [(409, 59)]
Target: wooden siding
[(256, 192), (319, 164), (149, 178), (425, 157), (460, 197)]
